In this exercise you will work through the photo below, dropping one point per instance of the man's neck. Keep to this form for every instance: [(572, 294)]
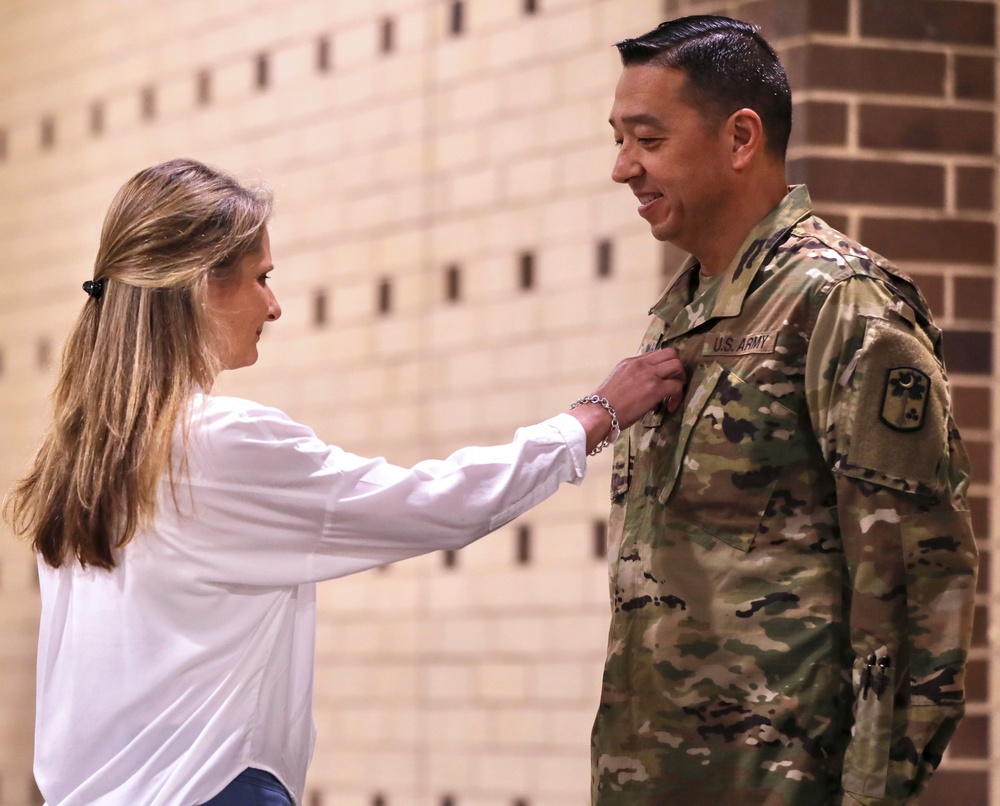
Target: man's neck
[(755, 201)]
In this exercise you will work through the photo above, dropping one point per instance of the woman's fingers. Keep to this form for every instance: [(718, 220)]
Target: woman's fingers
[(675, 397), (640, 383)]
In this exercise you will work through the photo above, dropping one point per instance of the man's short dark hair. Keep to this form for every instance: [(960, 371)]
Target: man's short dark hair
[(728, 66)]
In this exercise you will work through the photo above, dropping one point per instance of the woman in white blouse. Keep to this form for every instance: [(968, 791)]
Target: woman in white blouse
[(180, 535)]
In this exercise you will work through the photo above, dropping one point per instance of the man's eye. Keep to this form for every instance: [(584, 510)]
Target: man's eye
[(618, 143)]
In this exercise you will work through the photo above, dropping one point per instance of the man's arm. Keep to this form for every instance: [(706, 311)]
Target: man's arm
[(881, 408)]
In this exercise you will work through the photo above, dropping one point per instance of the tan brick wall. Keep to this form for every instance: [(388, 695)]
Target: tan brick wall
[(477, 680)]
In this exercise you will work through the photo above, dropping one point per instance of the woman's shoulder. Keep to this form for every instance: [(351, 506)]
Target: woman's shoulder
[(224, 408), (236, 421)]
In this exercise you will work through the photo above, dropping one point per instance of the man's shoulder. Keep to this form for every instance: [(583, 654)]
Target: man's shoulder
[(814, 239), (826, 256)]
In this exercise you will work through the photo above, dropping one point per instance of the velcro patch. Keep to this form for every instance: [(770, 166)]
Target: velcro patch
[(907, 454), (904, 400), (739, 344)]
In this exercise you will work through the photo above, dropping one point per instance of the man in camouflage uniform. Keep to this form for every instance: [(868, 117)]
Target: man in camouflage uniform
[(792, 563)]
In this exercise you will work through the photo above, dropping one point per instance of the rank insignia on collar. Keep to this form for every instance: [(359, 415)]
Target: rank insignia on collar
[(904, 400)]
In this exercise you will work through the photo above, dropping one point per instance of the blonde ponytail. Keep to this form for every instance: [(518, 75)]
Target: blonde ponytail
[(142, 346)]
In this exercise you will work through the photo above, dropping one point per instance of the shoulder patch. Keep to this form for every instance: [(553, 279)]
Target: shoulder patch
[(896, 426), (904, 399)]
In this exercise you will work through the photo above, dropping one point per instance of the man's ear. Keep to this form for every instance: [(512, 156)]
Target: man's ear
[(746, 134)]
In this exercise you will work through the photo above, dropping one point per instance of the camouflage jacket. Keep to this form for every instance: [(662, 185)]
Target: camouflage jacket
[(792, 562)]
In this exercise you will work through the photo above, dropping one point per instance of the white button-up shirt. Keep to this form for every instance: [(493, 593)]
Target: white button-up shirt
[(161, 680)]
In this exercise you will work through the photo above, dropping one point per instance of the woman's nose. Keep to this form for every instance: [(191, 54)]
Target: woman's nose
[(273, 308)]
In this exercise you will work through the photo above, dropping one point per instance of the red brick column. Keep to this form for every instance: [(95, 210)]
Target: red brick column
[(895, 134)]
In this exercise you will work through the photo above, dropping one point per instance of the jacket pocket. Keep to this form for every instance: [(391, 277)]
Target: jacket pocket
[(731, 449), (866, 763), (941, 562)]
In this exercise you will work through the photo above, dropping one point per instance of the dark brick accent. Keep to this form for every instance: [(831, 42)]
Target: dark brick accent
[(972, 739), (782, 18), (980, 509), (870, 181), (975, 78), (956, 131), (948, 787), (835, 220), (972, 406), (932, 287), (977, 681), (970, 352), (819, 123), (945, 241), (974, 298), (904, 72), (975, 188), (828, 16), (981, 626), (980, 457), (955, 21)]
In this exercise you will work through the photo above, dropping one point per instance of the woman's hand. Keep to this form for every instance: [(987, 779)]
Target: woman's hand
[(635, 386)]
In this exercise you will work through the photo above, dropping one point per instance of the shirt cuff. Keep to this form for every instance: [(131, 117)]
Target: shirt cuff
[(576, 438)]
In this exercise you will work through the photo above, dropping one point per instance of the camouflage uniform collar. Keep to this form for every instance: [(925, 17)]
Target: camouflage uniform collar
[(752, 254)]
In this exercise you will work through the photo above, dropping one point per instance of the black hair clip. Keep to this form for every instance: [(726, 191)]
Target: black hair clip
[(94, 287)]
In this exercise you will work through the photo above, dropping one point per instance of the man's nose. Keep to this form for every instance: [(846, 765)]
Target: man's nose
[(626, 166)]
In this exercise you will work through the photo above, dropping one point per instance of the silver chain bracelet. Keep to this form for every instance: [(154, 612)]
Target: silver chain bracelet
[(612, 435)]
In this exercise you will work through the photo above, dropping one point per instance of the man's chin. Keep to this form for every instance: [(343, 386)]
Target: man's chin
[(661, 232)]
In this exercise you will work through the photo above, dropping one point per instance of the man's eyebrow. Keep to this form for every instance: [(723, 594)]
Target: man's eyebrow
[(639, 119)]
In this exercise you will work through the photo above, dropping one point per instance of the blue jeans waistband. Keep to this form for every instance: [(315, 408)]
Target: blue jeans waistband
[(252, 787)]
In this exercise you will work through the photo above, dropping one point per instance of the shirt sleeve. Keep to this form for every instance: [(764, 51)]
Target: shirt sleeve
[(266, 502), (881, 410)]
